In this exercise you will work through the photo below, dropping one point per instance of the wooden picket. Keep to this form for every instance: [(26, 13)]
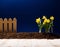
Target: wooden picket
[(14, 25), (5, 24), (8, 25), (1, 25)]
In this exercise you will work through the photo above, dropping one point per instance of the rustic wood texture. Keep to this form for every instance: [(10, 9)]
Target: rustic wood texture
[(5, 24), (1, 24), (8, 25), (14, 25)]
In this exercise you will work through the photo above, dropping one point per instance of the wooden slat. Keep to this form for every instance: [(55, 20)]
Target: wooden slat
[(14, 25), (5, 25), (10, 25), (1, 25)]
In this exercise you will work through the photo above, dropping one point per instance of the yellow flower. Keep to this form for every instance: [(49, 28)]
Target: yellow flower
[(48, 20), (44, 23), (52, 18), (44, 17), (38, 20), (45, 20)]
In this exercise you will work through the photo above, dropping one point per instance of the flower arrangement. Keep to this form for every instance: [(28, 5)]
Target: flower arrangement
[(45, 22)]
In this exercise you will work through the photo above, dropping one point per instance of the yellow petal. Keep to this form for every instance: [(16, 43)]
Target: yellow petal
[(52, 18), (44, 23), (38, 20), (48, 20), (45, 20), (44, 17)]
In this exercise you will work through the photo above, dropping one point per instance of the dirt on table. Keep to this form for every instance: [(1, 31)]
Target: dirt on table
[(28, 35)]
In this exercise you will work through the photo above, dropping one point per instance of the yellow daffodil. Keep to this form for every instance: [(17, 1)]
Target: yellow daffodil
[(44, 23), (48, 20), (45, 20), (38, 20), (52, 18), (44, 17)]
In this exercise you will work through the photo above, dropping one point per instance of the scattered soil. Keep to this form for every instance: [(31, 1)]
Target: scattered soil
[(28, 35)]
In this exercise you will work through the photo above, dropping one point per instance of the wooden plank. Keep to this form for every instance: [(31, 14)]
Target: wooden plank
[(5, 25), (10, 24), (1, 25), (14, 25)]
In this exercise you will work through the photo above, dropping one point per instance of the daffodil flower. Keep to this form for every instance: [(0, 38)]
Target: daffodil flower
[(44, 17), (52, 18), (48, 20), (45, 23), (38, 20)]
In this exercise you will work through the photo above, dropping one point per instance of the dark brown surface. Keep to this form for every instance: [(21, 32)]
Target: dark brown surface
[(28, 35)]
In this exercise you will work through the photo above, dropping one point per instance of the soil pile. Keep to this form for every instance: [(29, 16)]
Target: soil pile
[(28, 35)]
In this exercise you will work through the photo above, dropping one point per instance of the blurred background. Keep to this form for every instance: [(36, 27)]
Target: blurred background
[(26, 11)]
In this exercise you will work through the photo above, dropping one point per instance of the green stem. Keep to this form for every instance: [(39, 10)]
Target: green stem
[(40, 30), (47, 30)]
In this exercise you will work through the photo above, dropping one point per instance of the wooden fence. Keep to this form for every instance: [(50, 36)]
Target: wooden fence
[(8, 25)]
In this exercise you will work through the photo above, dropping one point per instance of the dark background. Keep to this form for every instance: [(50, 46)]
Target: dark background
[(26, 11)]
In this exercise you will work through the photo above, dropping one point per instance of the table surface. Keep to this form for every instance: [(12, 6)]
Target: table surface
[(29, 42)]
